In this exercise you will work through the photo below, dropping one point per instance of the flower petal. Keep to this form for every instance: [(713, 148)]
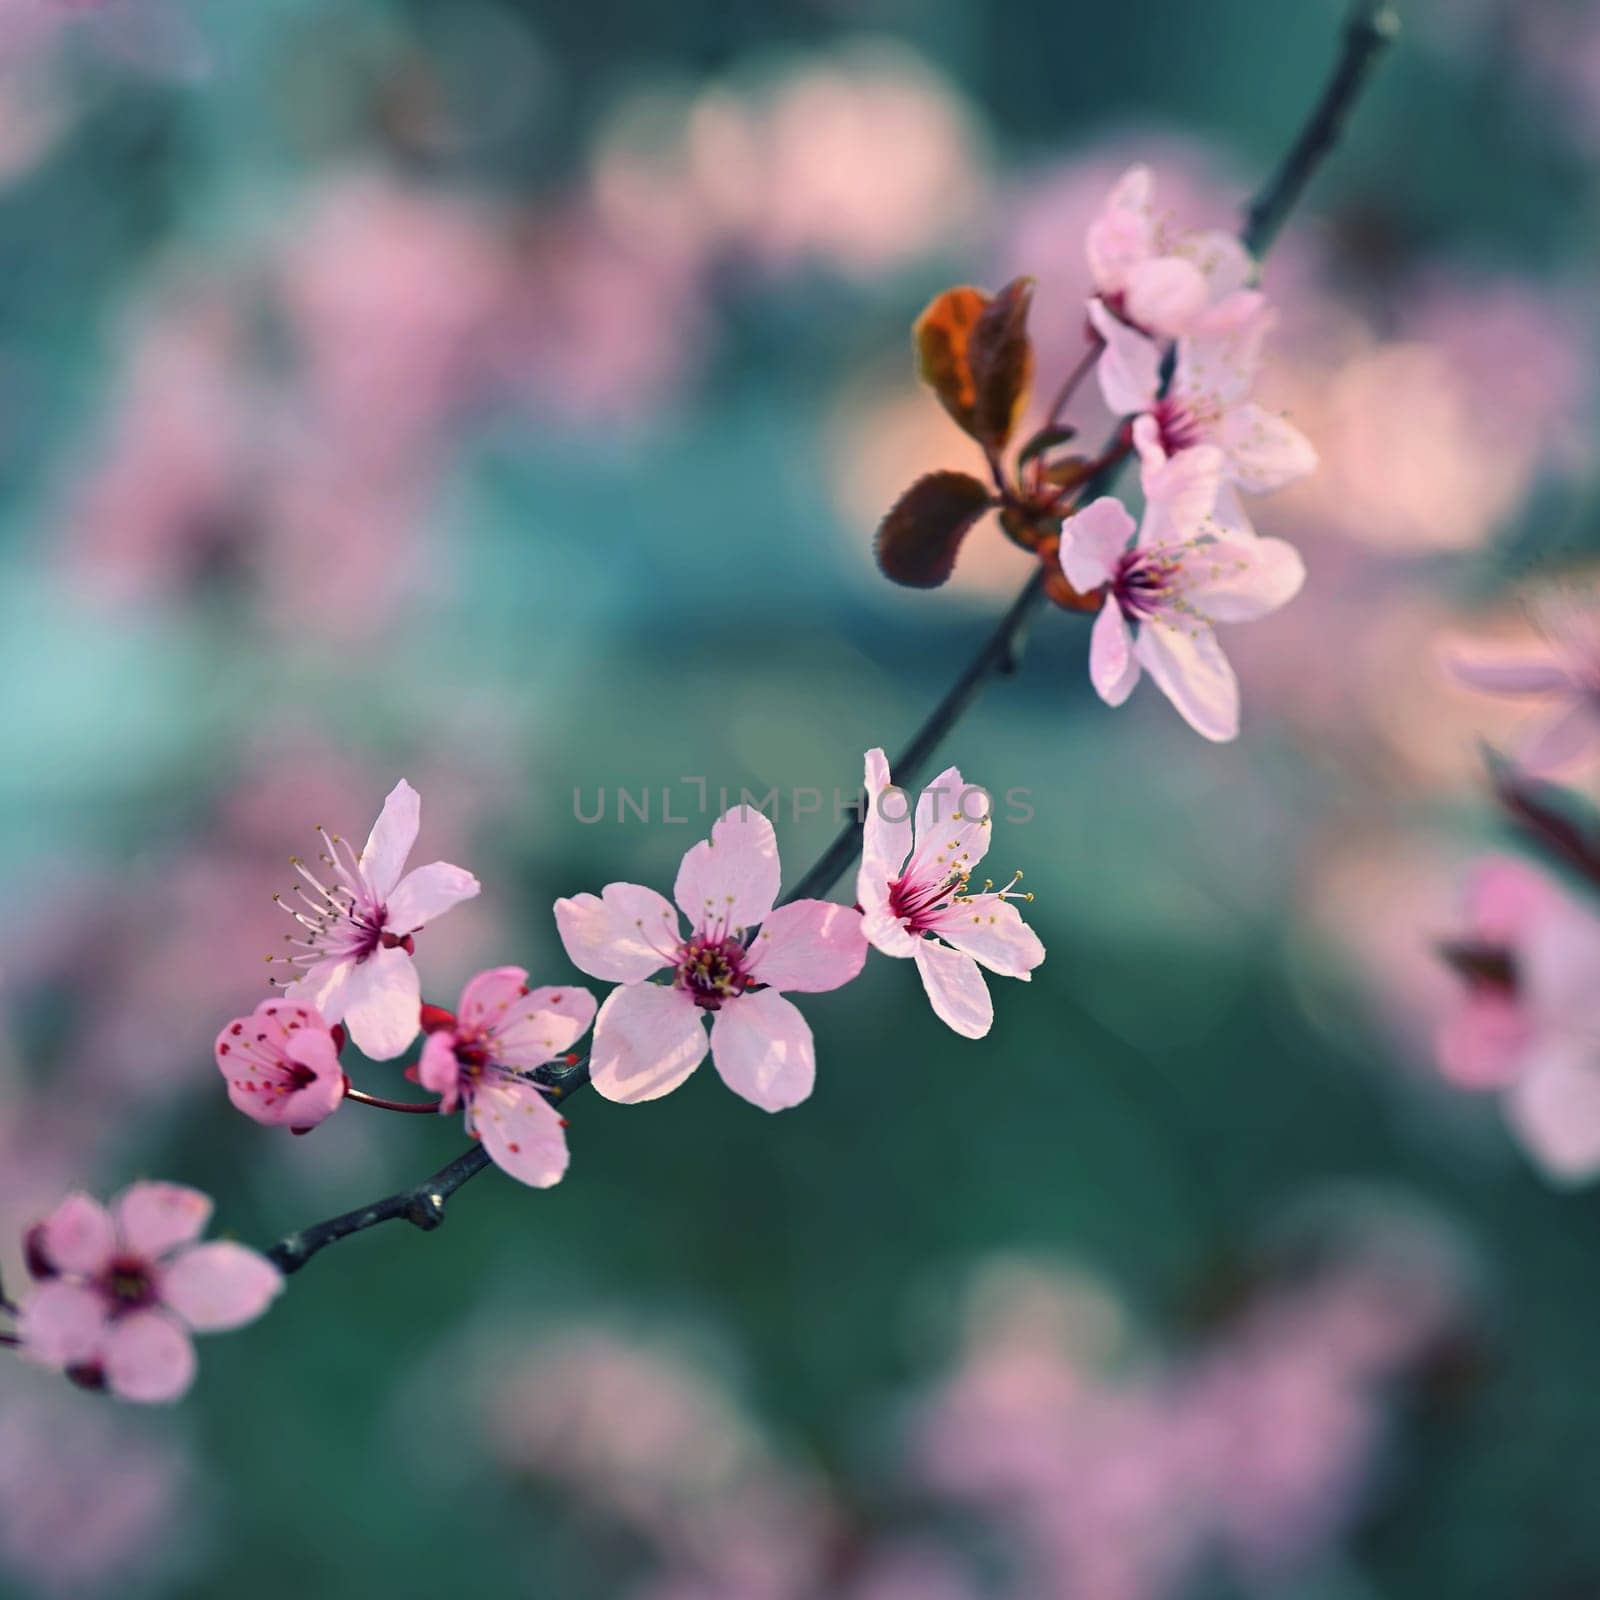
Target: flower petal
[(1113, 667), (1093, 541), (218, 1286), (79, 1235), (62, 1324), (489, 995), (1179, 495), (1555, 1112), (623, 935), (992, 932), (1223, 261), (438, 1071), (522, 1132), (1568, 737), (1265, 451), (1122, 233), (382, 1007), (148, 1358), (1165, 294), (809, 946), (1238, 580), (762, 1049), (647, 1039), (1129, 369), (953, 830), (955, 989), (1193, 674), (383, 857), (428, 892), (886, 827), (1217, 363), (731, 879), (884, 930), (325, 986), (544, 1024), (1509, 674), (154, 1217)]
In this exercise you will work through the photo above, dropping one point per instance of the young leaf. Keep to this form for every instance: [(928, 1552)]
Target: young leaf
[(1000, 357), (941, 336), (918, 540)]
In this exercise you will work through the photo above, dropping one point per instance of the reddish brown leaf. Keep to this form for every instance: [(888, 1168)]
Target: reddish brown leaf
[(942, 335), (1000, 360), (918, 540)]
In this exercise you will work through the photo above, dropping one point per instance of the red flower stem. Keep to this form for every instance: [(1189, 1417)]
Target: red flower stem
[(416, 1107)]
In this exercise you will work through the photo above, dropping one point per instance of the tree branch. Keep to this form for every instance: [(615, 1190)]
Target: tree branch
[(1371, 27)]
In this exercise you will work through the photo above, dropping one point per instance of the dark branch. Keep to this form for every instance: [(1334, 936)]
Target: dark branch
[(422, 1206), (1372, 26)]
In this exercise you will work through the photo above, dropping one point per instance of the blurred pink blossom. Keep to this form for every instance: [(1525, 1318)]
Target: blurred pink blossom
[(1528, 1018), (90, 1503), (119, 1291)]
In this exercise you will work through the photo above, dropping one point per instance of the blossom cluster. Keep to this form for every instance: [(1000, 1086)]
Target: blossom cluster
[(1176, 328), (117, 1293)]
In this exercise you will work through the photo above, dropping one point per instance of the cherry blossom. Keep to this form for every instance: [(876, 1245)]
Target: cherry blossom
[(1185, 573), (282, 1065), (648, 1037), (1207, 401), (354, 943), (1150, 274), (1565, 677), (480, 1056), (913, 888), (1528, 1021), (120, 1290)]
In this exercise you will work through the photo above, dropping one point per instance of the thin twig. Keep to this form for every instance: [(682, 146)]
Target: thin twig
[(1372, 26), (428, 1108)]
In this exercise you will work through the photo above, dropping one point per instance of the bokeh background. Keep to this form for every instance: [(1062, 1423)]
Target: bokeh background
[(502, 395)]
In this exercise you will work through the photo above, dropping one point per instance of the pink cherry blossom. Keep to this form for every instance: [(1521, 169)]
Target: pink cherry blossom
[(481, 1057), (282, 1065), (648, 1037), (1150, 274), (915, 900), (121, 1290), (1185, 573), (1208, 399), (1528, 1020), (353, 947), (1565, 678)]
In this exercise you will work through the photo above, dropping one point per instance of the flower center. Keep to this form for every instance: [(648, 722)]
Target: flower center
[(127, 1283), (1144, 584), (341, 920), (918, 904), (1181, 427), (472, 1056), (710, 971)]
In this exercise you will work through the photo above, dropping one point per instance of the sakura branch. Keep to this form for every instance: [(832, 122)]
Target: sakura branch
[(1173, 334)]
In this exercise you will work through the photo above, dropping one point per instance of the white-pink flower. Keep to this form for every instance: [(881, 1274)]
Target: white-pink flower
[(481, 1056), (914, 890), (282, 1065), (354, 943), (648, 1037), (1151, 274), (1165, 594), (1208, 400), (1566, 677), (122, 1289)]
